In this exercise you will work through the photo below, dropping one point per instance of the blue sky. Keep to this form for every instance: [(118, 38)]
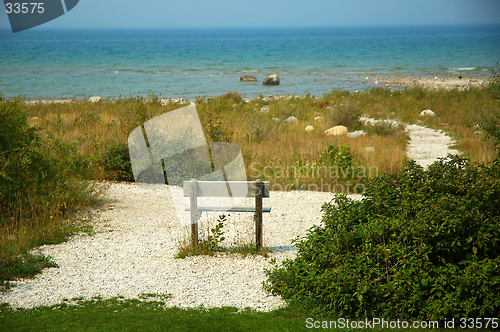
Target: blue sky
[(271, 13)]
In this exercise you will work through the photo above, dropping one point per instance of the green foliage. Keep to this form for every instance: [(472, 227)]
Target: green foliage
[(117, 162), (208, 246), (422, 244), (332, 156), (336, 156), (31, 170), (211, 244), (23, 266), (494, 84), (215, 237), (41, 186), (490, 123), (216, 131)]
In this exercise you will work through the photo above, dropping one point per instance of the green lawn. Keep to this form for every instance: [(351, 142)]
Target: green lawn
[(119, 314)]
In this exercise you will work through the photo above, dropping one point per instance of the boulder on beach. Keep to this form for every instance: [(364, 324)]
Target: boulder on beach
[(248, 78), (271, 80), (336, 131), (95, 99), (427, 113)]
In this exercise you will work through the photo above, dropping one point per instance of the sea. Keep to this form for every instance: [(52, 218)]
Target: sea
[(41, 64)]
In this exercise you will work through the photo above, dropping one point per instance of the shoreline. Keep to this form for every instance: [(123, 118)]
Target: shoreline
[(371, 81)]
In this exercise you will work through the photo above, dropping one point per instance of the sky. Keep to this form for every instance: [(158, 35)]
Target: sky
[(271, 13)]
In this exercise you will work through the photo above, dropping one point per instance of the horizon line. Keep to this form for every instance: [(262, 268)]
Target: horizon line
[(263, 27)]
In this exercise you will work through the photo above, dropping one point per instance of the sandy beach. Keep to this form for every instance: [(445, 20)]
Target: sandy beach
[(434, 83)]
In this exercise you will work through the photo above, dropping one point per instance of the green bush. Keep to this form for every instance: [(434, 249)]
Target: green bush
[(41, 186), (117, 163), (422, 244)]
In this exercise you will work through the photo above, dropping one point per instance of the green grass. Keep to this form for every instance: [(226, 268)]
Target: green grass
[(134, 315), (118, 314), (25, 265)]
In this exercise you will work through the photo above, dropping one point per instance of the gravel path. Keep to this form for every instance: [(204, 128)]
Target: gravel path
[(138, 234), (426, 145), (133, 249)]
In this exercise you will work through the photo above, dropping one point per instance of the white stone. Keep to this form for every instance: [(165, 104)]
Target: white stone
[(309, 129), (291, 119), (357, 133), (318, 118), (95, 99), (427, 112), (264, 109), (370, 149), (336, 131)]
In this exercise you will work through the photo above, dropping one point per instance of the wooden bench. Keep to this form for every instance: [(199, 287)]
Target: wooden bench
[(257, 189)]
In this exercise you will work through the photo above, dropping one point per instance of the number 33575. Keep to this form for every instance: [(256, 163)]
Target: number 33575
[(25, 7)]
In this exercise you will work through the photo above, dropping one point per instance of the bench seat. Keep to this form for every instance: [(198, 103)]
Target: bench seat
[(230, 208)]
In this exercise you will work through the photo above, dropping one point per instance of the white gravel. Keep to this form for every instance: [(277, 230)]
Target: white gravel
[(426, 145), (138, 235), (133, 253)]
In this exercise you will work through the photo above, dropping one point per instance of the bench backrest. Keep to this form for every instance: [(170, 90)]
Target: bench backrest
[(221, 188)]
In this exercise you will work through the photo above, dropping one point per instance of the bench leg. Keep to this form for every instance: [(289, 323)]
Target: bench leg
[(194, 235), (194, 214), (258, 215)]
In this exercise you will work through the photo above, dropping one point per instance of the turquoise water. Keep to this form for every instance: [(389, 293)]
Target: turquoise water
[(188, 63)]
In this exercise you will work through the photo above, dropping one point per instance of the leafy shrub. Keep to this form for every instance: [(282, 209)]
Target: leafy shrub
[(336, 156), (208, 246), (422, 244), (117, 163), (41, 185), (216, 234)]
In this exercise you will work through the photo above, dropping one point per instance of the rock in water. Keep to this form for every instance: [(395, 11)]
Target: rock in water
[(272, 80), (248, 78), (427, 113), (336, 131)]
